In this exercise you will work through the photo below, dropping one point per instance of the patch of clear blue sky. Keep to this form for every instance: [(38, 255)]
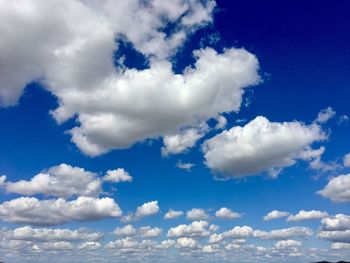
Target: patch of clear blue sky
[(303, 50)]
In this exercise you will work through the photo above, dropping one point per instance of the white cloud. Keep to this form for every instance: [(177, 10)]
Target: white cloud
[(117, 175), (184, 140), (325, 115), (72, 49), (148, 232), (239, 232), (286, 244), (127, 230), (147, 209), (216, 238), (30, 210), (275, 214), (337, 222), (185, 166), (195, 229), (62, 181), (89, 245), (221, 122), (2, 180), (226, 213), (346, 160), (285, 233), (261, 146), (196, 214), (335, 236), (307, 215), (53, 235), (337, 189), (339, 246), (172, 214), (187, 242)]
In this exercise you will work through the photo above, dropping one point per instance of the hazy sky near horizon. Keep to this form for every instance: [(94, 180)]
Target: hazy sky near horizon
[(174, 130)]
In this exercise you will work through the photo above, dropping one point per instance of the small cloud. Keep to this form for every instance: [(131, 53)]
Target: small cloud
[(185, 166), (325, 115)]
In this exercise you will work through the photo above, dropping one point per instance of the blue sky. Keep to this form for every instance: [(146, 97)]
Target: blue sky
[(251, 99)]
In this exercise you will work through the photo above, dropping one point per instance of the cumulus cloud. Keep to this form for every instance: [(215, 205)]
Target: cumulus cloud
[(186, 242), (195, 229), (337, 222), (62, 181), (2, 180), (346, 160), (196, 214), (147, 209), (226, 213), (149, 232), (275, 214), (239, 232), (53, 235), (180, 142), (337, 189), (72, 48), (89, 245), (261, 146), (285, 233), (286, 244), (172, 214), (30, 210), (325, 115), (117, 175), (127, 230), (339, 246), (307, 215), (335, 236)]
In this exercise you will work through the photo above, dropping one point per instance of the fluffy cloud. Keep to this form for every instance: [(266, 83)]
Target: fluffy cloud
[(117, 175), (226, 213), (325, 115), (196, 214), (335, 236), (149, 232), (89, 245), (338, 246), (261, 146), (337, 222), (171, 214), (346, 160), (127, 230), (186, 242), (72, 49), (195, 229), (285, 233), (337, 189), (275, 214), (147, 209), (180, 142), (307, 215), (62, 181), (53, 235), (239, 232), (30, 210)]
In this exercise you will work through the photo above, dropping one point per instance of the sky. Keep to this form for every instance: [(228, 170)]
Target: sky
[(174, 130)]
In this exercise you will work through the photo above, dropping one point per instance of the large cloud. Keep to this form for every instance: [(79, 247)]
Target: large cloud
[(30, 210), (337, 189), (72, 44), (307, 215), (261, 146), (62, 181)]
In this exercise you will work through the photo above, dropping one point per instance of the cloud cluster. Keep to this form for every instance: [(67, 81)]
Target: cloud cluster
[(30, 210), (307, 215), (337, 189), (275, 214), (261, 146), (71, 55)]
